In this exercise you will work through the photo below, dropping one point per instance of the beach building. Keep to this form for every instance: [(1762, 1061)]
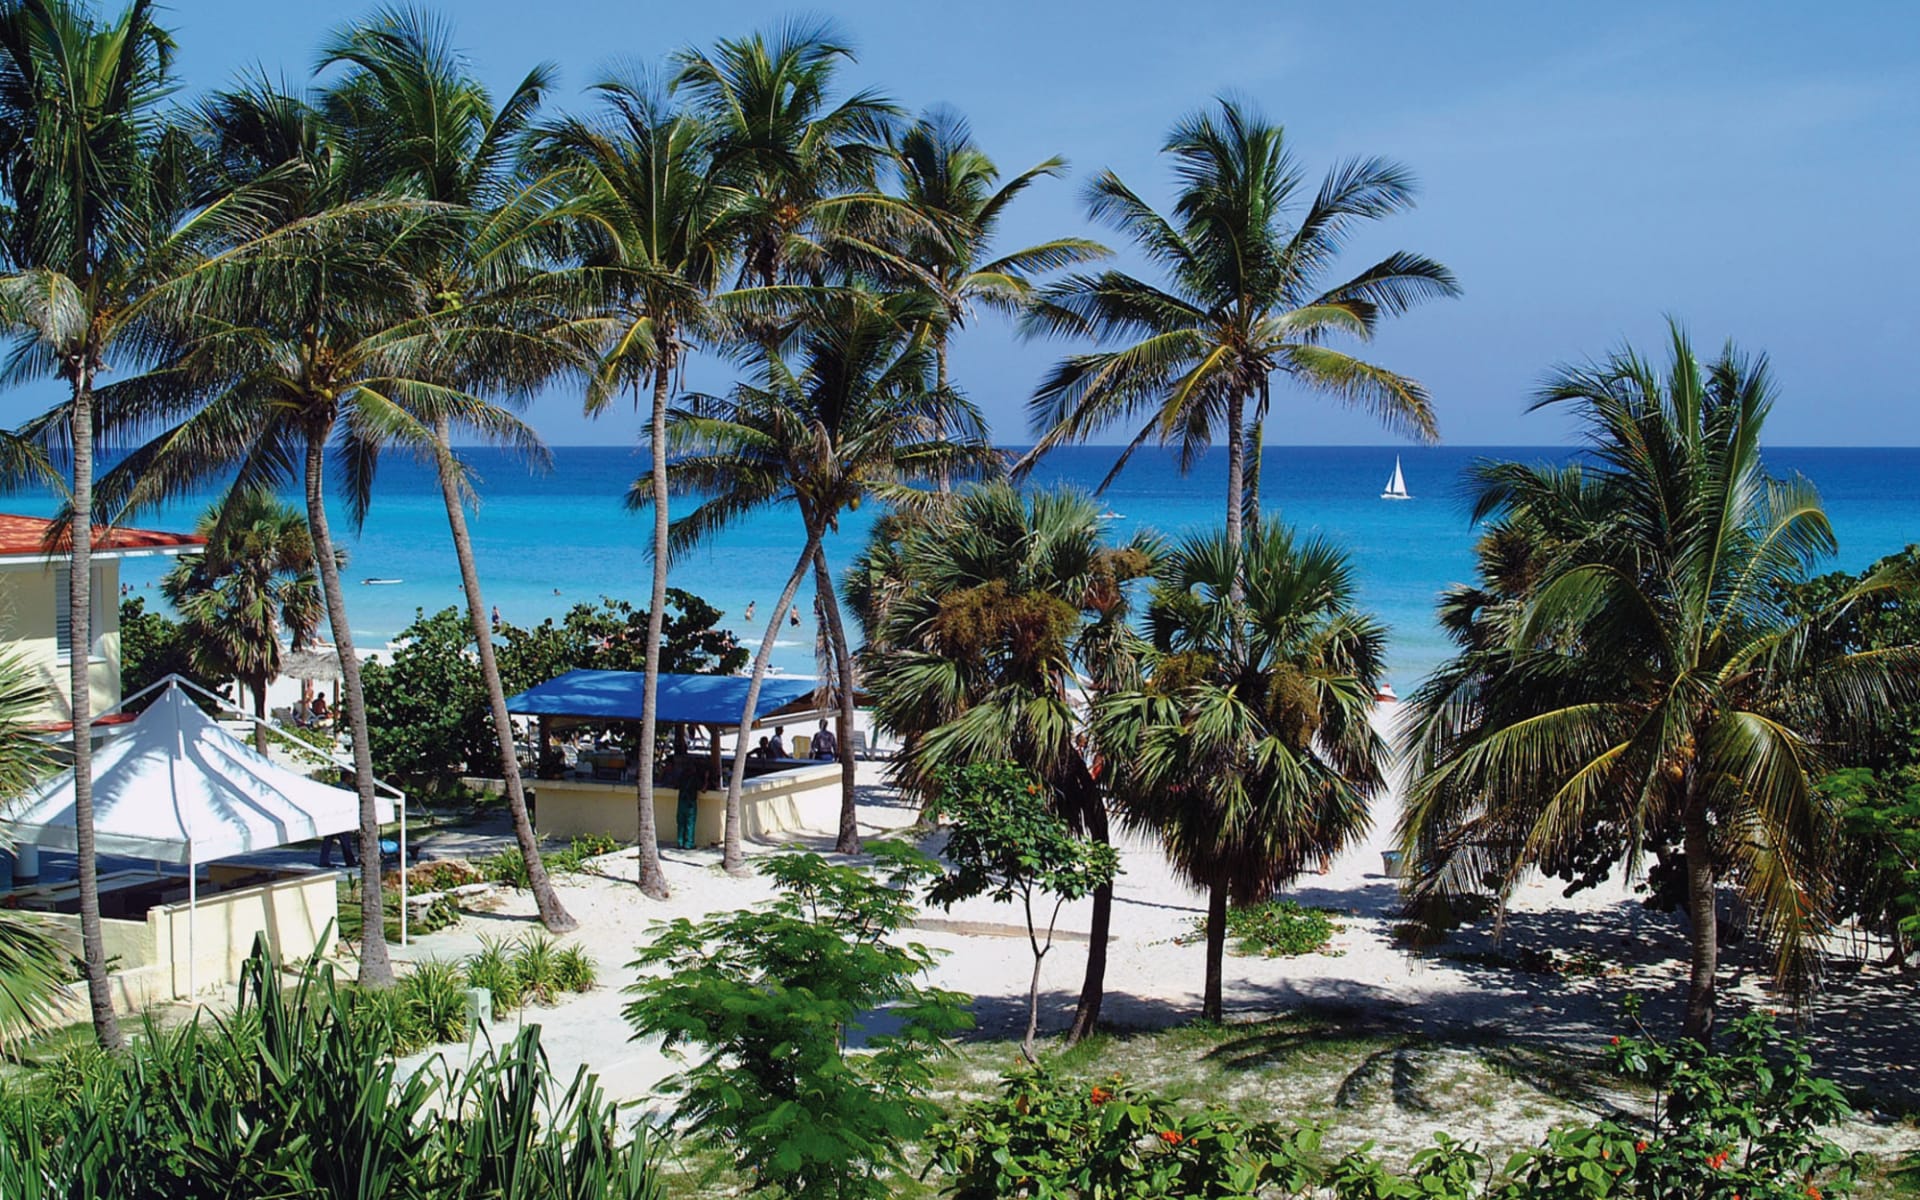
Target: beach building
[(594, 792), (34, 606)]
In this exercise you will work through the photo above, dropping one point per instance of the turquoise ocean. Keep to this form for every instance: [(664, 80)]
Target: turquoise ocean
[(546, 540)]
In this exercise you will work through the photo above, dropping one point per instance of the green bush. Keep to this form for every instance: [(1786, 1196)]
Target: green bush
[(1273, 929), (492, 970), (576, 971), (432, 1004), (508, 868), (536, 963)]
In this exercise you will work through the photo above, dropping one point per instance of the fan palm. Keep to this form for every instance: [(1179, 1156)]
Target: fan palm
[(414, 114), (984, 621), (31, 962), (1245, 299), (311, 343), (1247, 749), (955, 188), (255, 575), (846, 413), (659, 228), (100, 205), (1645, 678), (803, 162)]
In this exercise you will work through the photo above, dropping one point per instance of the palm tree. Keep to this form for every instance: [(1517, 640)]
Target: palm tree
[(31, 963), (1646, 680), (802, 163), (99, 206), (659, 230), (955, 188), (255, 575), (845, 414), (1245, 299), (984, 619), (1247, 749), (310, 343), (413, 113)]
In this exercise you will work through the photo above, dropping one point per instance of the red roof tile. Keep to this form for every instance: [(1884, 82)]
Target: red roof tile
[(30, 535)]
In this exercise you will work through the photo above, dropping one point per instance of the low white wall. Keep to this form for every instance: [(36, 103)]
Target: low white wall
[(299, 917)]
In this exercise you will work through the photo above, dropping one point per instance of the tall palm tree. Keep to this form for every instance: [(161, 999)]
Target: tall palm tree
[(31, 962), (1646, 681), (255, 575), (1247, 749), (948, 180), (985, 620), (99, 205), (845, 413), (659, 229), (309, 345), (803, 162), (1245, 299), (412, 113)]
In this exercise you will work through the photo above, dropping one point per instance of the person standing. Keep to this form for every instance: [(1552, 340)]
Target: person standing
[(826, 747), (777, 747), (686, 816)]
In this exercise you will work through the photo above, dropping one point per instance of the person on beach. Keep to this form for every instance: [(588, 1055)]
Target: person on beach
[(320, 715), (826, 747), (777, 746), (692, 780), (750, 606), (496, 616), (793, 615)]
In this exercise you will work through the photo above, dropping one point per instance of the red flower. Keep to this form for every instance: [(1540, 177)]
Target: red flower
[(1716, 1161), (1099, 1095), (1641, 1146), (1813, 1191), (1616, 1040), (1171, 1137)]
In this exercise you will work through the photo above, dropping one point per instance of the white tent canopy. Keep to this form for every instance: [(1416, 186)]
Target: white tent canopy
[(174, 787)]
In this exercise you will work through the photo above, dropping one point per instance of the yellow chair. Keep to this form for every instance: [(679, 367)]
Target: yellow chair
[(801, 744)]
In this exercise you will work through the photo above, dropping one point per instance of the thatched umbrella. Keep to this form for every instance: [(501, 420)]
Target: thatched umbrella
[(315, 664)]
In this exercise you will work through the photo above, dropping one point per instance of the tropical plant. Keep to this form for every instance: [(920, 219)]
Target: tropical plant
[(411, 111), (1247, 748), (102, 206), (255, 575), (983, 619), (948, 180), (152, 647), (846, 415), (773, 996), (1651, 685), (1006, 841), (32, 963), (659, 228), (1245, 299)]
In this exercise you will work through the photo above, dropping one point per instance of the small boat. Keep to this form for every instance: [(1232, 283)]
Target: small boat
[(1111, 515), (380, 582), (1397, 486)]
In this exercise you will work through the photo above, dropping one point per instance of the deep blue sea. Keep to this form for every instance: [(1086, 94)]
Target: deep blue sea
[(546, 541)]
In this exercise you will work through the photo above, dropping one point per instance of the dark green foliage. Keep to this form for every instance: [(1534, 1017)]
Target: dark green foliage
[(510, 868), (771, 997), (1274, 929), (427, 708), (296, 1096), (152, 647)]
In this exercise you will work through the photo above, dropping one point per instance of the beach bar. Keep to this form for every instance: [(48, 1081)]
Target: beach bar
[(596, 793)]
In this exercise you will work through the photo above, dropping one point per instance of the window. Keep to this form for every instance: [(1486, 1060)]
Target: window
[(63, 614)]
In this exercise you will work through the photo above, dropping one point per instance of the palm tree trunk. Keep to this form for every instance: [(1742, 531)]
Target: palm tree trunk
[(553, 914), (1256, 435), (259, 689), (945, 477), (93, 945), (1210, 1005), (1697, 842), (1236, 469), (849, 840), (731, 857), (652, 878), (376, 969), (1093, 986)]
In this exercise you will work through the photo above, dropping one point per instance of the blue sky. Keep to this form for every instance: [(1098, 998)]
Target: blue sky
[(1586, 169)]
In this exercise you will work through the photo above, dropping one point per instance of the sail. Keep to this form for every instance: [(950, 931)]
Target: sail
[(1397, 486)]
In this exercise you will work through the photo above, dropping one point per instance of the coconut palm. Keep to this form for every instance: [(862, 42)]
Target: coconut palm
[(255, 575), (804, 163), (948, 180), (32, 964), (845, 413), (1245, 299), (100, 205), (307, 350), (986, 620), (660, 228), (1646, 681), (1247, 748), (412, 113)]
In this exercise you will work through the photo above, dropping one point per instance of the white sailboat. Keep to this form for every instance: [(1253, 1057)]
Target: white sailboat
[(1397, 486)]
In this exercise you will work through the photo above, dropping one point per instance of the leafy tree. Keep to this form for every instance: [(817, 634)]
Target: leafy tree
[(772, 996), (31, 961), (1006, 841), (153, 647), (1248, 749), (1651, 676), (842, 414), (977, 615), (1245, 299), (255, 575)]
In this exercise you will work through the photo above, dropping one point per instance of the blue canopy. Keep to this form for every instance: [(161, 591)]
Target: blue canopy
[(683, 699)]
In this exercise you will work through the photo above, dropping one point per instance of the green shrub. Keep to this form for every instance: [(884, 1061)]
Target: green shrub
[(1273, 929), (433, 1003), (576, 971), (536, 963), (506, 867), (492, 970)]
